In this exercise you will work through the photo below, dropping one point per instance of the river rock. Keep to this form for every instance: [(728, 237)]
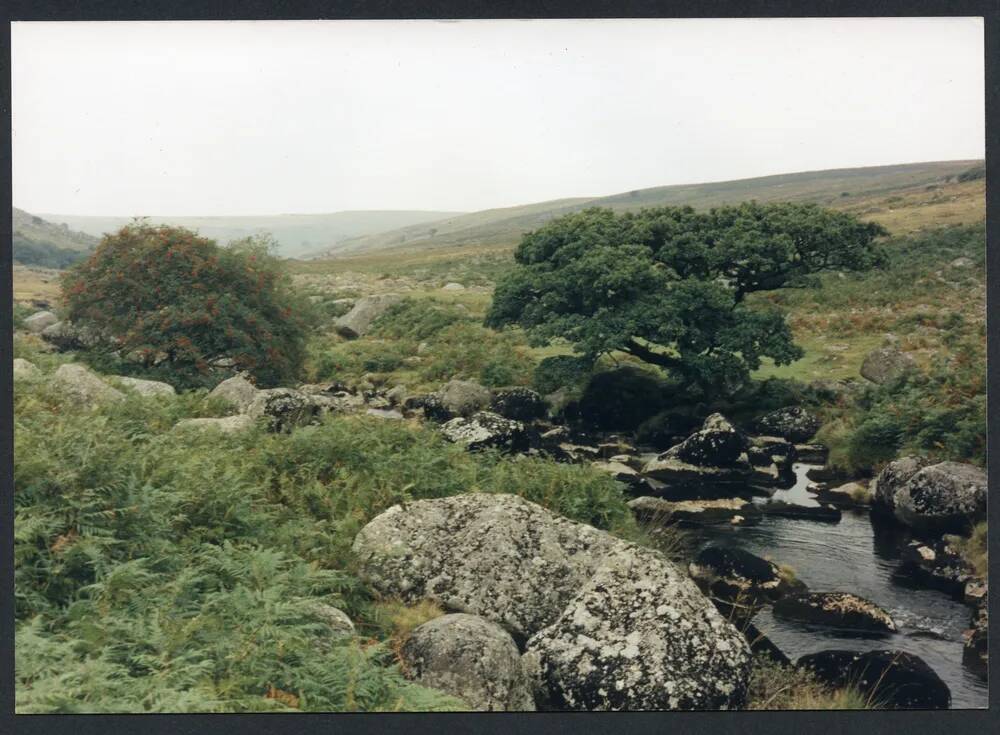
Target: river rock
[(976, 649), (38, 321), (812, 453), (83, 387), (520, 404), (737, 581), (283, 408), (640, 636), (886, 364), (835, 609), (695, 513), (485, 430), (146, 387), (497, 556), (849, 495), (767, 450), (462, 398), (236, 391), (25, 370), (892, 477), (936, 564), (619, 471), (365, 311), (940, 498), (470, 658), (891, 679), (685, 481), (716, 444), (793, 423), (227, 424), (822, 513), (761, 645)]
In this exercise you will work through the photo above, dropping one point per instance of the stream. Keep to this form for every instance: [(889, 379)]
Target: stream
[(855, 556)]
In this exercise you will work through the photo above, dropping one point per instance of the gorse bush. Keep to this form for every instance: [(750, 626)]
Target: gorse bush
[(160, 570), (164, 295)]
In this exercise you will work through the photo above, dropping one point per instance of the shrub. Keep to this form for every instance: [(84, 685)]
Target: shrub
[(622, 398), (166, 295), (561, 371)]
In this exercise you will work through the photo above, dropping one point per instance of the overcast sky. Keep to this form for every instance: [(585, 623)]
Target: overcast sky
[(320, 116)]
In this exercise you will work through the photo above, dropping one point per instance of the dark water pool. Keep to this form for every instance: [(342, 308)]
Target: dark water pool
[(855, 556)]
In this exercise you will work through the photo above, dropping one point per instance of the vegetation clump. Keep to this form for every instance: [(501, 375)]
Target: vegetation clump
[(165, 296)]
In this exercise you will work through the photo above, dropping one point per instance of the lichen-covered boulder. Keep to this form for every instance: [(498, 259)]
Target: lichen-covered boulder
[(39, 321), (886, 364), (362, 315), (890, 679), (836, 610), (283, 408), (771, 450), (470, 658), (83, 387), (639, 635), (227, 425), (892, 477), (849, 495), (520, 404), (146, 387), (941, 498), (67, 336), (937, 564), (812, 453), (486, 430), (25, 370), (463, 398), (793, 423), (236, 391), (497, 556), (716, 444)]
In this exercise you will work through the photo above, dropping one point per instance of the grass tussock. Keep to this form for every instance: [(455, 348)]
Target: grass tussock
[(777, 687)]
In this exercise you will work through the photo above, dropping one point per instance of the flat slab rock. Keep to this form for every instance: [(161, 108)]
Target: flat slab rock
[(640, 636), (836, 610)]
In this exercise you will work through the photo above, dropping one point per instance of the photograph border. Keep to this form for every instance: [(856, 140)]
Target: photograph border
[(721, 723)]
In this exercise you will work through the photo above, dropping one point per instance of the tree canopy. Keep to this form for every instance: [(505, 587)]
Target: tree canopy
[(669, 285), (164, 294)]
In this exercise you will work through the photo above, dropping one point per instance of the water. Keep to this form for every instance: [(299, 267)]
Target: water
[(855, 556)]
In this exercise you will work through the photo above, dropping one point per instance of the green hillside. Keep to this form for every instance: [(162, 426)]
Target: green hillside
[(296, 233), (840, 187), (39, 242)]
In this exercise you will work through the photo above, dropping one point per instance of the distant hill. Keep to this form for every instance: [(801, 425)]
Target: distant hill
[(42, 243), (296, 234), (836, 187)]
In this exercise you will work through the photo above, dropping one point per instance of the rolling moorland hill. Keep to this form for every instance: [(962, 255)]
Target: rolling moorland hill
[(38, 242), (849, 188), (296, 234)]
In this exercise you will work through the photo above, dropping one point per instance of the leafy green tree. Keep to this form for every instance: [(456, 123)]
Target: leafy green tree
[(670, 285), (167, 296)]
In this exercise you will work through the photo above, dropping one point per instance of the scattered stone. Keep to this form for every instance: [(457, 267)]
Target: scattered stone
[(38, 321), (463, 398), (385, 413), (25, 370), (891, 679), (337, 622), (66, 336), (520, 404), (283, 408), (621, 472), (80, 385), (941, 498), (227, 425), (146, 387), (794, 424), (453, 287), (236, 391), (485, 430), (837, 610), (365, 311), (396, 395), (640, 636), (962, 262), (886, 364), (472, 659)]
